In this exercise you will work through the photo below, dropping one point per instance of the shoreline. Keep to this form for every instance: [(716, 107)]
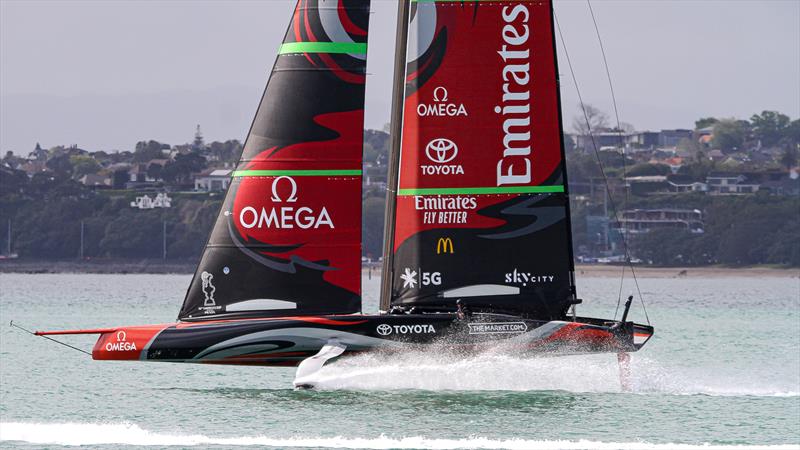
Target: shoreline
[(188, 268)]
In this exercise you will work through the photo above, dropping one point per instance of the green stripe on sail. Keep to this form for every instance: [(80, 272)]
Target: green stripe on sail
[(296, 173), (357, 48), (484, 190)]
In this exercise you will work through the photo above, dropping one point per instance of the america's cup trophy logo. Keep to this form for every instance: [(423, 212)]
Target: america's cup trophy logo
[(208, 289)]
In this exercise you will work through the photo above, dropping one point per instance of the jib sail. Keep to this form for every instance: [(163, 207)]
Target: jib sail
[(481, 212), (288, 237)]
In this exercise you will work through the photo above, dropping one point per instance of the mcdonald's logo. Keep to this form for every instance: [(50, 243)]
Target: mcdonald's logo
[(444, 245)]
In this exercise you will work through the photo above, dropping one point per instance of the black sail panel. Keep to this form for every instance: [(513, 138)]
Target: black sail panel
[(288, 237), (482, 212)]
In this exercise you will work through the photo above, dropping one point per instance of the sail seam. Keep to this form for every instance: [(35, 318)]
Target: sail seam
[(355, 48), (484, 190)]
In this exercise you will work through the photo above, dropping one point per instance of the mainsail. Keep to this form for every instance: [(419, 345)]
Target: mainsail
[(288, 237), (481, 211)]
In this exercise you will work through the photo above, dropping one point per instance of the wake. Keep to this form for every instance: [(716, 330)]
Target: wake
[(437, 371), (131, 434)]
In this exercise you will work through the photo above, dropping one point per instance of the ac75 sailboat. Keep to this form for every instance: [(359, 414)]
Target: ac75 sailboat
[(478, 246)]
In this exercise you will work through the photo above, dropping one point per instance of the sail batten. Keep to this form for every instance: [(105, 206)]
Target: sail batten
[(481, 197), (288, 236)]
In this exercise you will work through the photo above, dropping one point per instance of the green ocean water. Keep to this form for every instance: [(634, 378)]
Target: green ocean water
[(723, 371)]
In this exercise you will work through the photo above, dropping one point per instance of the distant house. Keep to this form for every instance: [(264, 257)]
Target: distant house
[(694, 186), (683, 183), (646, 184), (674, 163), (613, 139), (671, 138), (705, 140), (707, 131), (789, 186), (95, 180), (137, 173), (715, 154), (730, 184), (637, 221), (33, 167), (643, 139), (212, 180)]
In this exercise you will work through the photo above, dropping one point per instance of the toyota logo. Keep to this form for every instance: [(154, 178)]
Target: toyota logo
[(441, 150), (384, 330)]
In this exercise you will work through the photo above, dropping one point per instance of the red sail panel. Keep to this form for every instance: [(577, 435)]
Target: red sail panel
[(288, 238), (481, 195)]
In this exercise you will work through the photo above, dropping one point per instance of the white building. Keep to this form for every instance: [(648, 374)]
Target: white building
[(213, 180)]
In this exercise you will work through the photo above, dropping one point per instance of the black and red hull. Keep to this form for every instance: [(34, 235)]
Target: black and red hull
[(286, 341)]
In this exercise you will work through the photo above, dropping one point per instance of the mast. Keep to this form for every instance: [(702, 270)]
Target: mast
[(568, 206), (398, 103)]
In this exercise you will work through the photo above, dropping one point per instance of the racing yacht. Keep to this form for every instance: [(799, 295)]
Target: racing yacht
[(478, 248)]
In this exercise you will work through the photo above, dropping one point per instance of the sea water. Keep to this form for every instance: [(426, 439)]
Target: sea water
[(723, 371)]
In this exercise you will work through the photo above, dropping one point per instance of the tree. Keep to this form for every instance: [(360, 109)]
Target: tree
[(145, 151), (119, 178), (729, 135), (198, 143), (183, 167), (12, 161), (83, 165), (228, 151), (569, 143), (648, 169), (625, 127), (691, 145), (12, 180), (154, 171), (769, 127), (670, 247), (60, 164), (372, 221), (791, 137), (704, 122), (789, 158), (597, 120)]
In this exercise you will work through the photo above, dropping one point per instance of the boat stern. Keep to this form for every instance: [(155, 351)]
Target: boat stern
[(641, 334)]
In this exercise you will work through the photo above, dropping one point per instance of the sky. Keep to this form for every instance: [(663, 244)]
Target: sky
[(106, 74)]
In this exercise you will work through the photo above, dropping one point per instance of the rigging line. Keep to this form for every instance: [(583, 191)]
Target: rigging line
[(594, 146), (624, 163), (48, 338), (619, 295), (619, 134), (622, 146)]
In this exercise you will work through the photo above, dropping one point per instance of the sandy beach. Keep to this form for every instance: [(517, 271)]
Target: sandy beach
[(602, 271)]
